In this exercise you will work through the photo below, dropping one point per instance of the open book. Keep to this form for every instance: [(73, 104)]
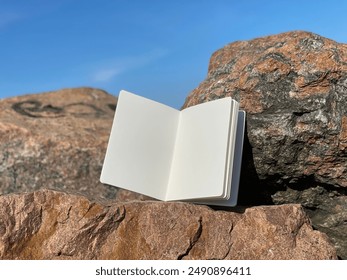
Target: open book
[(189, 155)]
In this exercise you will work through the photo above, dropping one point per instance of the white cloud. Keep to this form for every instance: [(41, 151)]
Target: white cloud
[(105, 75), (108, 71)]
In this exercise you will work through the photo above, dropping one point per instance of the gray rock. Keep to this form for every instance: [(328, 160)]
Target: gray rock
[(294, 89), (327, 209)]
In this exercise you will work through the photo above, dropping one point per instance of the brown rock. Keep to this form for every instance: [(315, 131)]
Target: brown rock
[(57, 140), (55, 225), (125, 195)]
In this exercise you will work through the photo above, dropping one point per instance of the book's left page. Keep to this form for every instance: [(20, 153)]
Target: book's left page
[(141, 146)]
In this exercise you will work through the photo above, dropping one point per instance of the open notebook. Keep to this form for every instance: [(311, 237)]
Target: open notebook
[(189, 155)]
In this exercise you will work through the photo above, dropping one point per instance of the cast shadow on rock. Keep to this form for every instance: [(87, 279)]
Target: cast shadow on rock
[(252, 191)]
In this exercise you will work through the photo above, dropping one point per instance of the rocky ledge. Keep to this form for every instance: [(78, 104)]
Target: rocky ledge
[(55, 225)]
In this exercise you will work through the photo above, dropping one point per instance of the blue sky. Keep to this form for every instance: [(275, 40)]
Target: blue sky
[(158, 49)]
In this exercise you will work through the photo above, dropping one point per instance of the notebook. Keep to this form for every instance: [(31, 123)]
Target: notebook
[(189, 155)]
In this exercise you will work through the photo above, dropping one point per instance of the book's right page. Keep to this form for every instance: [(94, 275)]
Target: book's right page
[(235, 172), (199, 166)]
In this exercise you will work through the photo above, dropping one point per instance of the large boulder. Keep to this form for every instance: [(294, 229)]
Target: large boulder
[(57, 140), (293, 87), (55, 225)]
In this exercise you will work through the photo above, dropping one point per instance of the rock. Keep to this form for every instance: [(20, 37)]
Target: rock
[(56, 140), (326, 207), (293, 87), (125, 195), (48, 224)]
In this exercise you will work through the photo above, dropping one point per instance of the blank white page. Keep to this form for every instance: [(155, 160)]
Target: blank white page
[(199, 164), (231, 148), (141, 144), (234, 175)]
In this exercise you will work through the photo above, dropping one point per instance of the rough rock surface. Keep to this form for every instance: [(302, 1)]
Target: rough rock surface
[(49, 224), (57, 140), (327, 209), (293, 87)]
